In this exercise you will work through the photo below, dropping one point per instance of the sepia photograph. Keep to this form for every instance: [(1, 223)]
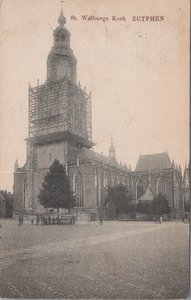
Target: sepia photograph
[(94, 149)]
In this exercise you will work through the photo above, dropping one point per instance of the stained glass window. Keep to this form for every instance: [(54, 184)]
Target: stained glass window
[(161, 186), (140, 189), (79, 190)]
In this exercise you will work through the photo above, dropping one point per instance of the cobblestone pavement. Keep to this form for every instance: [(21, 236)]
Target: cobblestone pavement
[(126, 260)]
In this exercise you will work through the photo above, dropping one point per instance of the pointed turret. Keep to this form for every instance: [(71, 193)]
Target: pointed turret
[(180, 169), (61, 19), (112, 151), (125, 166), (16, 166), (173, 164), (185, 168)]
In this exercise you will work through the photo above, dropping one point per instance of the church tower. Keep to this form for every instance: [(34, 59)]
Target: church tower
[(59, 116)]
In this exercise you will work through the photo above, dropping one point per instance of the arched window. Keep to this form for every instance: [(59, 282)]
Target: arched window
[(79, 190), (140, 189), (98, 189), (161, 186)]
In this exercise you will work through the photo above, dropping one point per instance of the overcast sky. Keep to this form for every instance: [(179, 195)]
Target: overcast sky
[(137, 72)]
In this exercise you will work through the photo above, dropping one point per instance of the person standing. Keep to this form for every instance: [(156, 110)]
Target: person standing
[(101, 218), (20, 220), (37, 220), (1, 228)]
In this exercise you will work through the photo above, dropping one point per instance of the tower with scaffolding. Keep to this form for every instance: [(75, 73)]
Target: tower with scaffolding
[(60, 121)]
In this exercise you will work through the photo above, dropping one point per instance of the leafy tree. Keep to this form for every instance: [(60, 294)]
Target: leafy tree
[(145, 207), (161, 205), (8, 213), (56, 192), (119, 198)]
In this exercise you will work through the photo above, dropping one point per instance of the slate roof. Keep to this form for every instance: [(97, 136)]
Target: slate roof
[(147, 196), (87, 155), (153, 162)]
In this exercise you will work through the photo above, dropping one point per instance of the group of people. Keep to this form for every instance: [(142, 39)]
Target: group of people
[(45, 220), (157, 220)]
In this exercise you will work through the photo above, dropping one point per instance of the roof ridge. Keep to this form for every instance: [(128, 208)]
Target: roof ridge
[(152, 154)]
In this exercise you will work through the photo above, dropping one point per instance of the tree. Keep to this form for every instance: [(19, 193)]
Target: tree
[(161, 205), (119, 198), (145, 207), (56, 192), (8, 213)]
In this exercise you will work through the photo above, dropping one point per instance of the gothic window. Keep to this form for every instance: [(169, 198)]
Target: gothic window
[(79, 190), (140, 189), (98, 189), (76, 113), (161, 186)]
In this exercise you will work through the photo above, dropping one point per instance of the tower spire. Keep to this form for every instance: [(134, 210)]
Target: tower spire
[(61, 2), (61, 19), (112, 150)]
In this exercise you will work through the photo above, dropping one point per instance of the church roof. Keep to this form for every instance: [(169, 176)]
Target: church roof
[(147, 196), (153, 162), (86, 155)]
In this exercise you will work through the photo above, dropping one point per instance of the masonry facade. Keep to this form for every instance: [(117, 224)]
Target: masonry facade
[(60, 127)]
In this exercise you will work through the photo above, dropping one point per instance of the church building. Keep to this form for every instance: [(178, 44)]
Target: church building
[(60, 127)]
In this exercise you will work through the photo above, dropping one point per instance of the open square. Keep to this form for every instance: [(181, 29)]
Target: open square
[(116, 260)]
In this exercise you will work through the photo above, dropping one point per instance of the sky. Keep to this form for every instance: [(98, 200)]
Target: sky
[(138, 73)]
